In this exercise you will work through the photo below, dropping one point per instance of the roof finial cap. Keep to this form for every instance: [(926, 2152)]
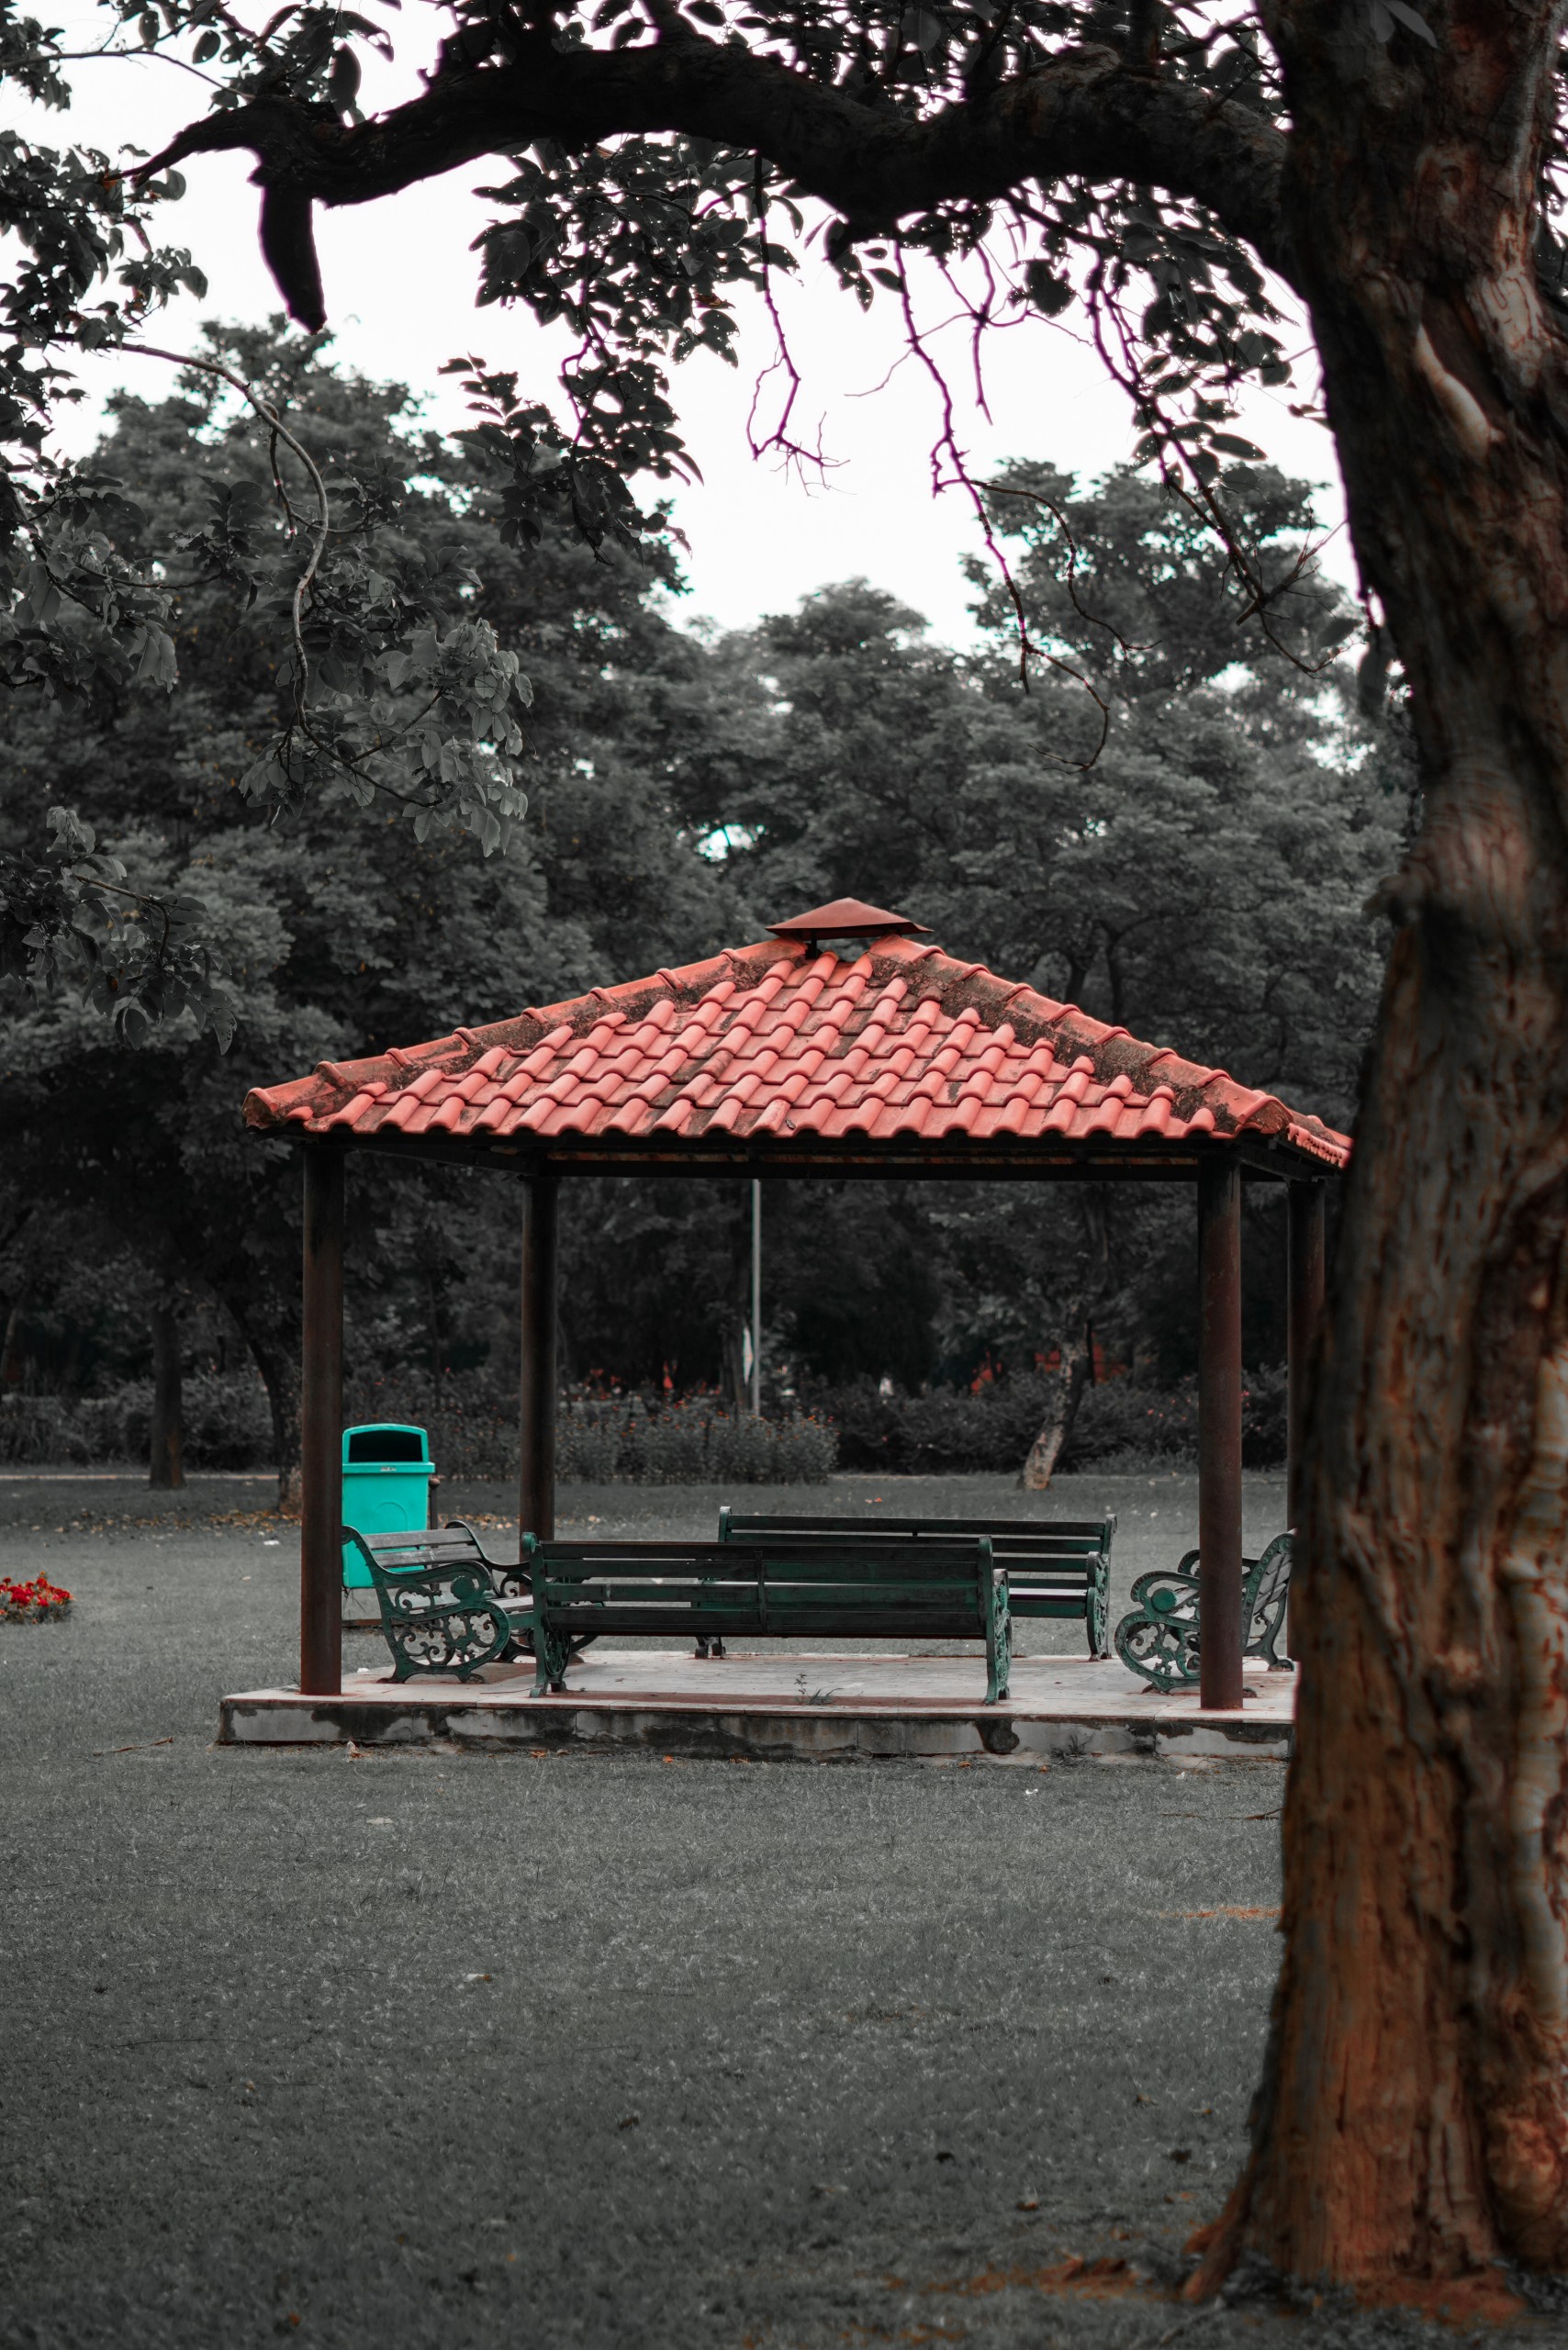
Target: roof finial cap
[(849, 918)]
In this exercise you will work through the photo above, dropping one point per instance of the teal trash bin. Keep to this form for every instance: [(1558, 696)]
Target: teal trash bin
[(388, 1487)]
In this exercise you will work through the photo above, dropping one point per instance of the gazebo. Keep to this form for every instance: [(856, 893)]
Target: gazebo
[(841, 1046)]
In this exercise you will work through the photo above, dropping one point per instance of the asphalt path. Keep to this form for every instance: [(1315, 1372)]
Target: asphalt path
[(421, 2048)]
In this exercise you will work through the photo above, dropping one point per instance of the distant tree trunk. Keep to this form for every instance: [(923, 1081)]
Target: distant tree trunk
[(432, 1326), (1067, 1388), (1412, 2124), (1076, 1345), (276, 1356), (166, 1466), (736, 1388), (11, 1348)]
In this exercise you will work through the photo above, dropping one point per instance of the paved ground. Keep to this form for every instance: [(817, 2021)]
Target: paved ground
[(423, 2049)]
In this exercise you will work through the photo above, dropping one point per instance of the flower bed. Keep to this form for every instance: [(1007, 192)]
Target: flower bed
[(38, 1602)]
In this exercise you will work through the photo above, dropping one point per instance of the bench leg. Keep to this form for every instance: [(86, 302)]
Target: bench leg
[(997, 1642), (1097, 1608), (553, 1654), (1268, 1645)]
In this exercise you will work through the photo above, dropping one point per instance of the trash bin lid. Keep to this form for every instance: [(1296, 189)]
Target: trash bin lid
[(383, 1441)]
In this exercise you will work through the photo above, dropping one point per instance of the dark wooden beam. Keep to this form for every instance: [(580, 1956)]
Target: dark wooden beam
[(1307, 1225), (1219, 1432), (321, 1427), (536, 1484)]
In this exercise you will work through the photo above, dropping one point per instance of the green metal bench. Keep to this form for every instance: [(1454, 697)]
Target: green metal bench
[(772, 1585), (1159, 1638), (446, 1606), (1058, 1568)]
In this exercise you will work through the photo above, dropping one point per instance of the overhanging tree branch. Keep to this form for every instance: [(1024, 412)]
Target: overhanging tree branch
[(1087, 115)]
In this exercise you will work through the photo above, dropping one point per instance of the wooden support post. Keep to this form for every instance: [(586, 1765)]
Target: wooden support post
[(1307, 1222), (1219, 1432), (536, 1487), (321, 1427), (756, 1300)]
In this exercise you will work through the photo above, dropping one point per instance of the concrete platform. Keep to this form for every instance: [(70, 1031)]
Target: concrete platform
[(818, 1707)]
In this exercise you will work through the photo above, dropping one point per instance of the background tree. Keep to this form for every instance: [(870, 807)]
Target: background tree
[(345, 928), (645, 749), (1202, 883)]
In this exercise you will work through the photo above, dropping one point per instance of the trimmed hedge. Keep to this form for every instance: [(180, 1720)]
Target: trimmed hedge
[(1118, 1424), (689, 1444), (602, 1441), (227, 1424), (472, 1429)]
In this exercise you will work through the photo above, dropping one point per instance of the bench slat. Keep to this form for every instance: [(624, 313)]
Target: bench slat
[(875, 1528)]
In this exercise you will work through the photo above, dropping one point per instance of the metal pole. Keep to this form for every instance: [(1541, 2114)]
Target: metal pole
[(1308, 1260), (321, 1428), (1219, 1432), (537, 1482), (756, 1300)]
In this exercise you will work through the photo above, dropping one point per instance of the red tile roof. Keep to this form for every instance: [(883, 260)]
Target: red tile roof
[(904, 1045)]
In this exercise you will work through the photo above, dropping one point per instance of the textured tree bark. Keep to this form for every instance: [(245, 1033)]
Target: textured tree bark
[(166, 1444), (1412, 2126)]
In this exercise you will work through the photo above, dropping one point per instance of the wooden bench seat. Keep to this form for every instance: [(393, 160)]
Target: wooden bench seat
[(772, 1585), (445, 1604), (1058, 1568)]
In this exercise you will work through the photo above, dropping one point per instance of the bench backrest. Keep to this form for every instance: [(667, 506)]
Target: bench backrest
[(408, 1550), (1054, 1566), (1013, 1540), (1270, 1573), (776, 1583), (431, 1550)]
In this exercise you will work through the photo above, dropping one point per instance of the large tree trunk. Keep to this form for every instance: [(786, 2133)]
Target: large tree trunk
[(167, 1443), (1412, 2126)]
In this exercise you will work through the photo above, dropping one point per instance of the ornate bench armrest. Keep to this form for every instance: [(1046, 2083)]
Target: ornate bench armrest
[(1166, 1589), (443, 1619), (1159, 1638)]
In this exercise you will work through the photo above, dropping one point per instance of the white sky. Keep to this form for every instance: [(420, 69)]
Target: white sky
[(400, 283)]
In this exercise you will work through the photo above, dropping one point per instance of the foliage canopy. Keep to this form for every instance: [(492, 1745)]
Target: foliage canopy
[(1042, 154)]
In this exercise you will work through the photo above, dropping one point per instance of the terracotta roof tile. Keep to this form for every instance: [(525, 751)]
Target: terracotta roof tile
[(905, 1041)]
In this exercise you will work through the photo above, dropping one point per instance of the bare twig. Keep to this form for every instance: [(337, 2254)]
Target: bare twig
[(948, 447), (1177, 464), (791, 451), (1037, 497), (279, 431)]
